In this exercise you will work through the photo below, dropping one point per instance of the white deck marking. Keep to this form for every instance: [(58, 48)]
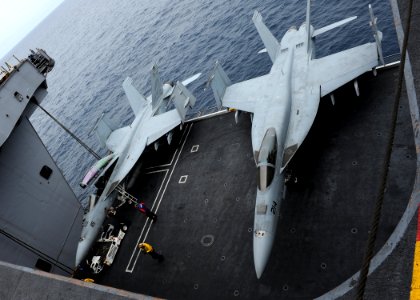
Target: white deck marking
[(183, 179), (172, 160), (136, 251), (157, 171), (414, 201), (164, 165), (160, 189)]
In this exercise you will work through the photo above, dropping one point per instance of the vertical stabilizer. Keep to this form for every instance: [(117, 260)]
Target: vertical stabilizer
[(136, 100), (183, 99), (103, 129), (308, 24), (219, 81), (157, 90), (270, 42), (377, 34)]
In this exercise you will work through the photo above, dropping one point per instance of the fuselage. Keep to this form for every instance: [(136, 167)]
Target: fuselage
[(129, 152), (92, 223), (152, 121), (272, 117)]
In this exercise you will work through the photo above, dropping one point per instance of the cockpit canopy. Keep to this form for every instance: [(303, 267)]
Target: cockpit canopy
[(266, 164)]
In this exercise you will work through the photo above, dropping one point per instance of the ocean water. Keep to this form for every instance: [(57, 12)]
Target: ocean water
[(97, 44)]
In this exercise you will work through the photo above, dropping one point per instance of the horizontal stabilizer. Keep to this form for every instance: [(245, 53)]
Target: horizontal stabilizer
[(136, 100), (270, 42), (332, 26), (246, 94), (219, 81), (183, 99), (161, 124)]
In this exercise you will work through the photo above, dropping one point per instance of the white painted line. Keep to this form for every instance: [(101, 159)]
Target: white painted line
[(414, 201), (160, 190), (173, 156), (183, 179), (164, 165), (163, 193), (136, 249), (195, 148), (157, 171), (176, 162)]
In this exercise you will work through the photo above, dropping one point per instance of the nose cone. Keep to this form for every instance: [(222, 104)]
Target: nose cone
[(86, 241), (263, 241), (81, 252)]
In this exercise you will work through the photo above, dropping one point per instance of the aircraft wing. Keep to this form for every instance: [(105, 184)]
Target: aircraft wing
[(158, 125), (326, 75), (335, 70), (244, 95), (148, 131), (303, 112), (116, 138)]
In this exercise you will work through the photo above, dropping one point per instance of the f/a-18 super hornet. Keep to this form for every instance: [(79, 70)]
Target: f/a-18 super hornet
[(152, 120), (284, 104)]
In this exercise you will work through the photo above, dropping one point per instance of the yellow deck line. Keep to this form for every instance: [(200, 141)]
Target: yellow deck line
[(415, 281)]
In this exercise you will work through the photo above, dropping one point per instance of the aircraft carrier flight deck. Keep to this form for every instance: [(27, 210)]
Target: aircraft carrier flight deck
[(203, 189)]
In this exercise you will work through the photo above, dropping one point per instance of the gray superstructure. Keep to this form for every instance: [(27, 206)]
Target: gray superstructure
[(40, 216)]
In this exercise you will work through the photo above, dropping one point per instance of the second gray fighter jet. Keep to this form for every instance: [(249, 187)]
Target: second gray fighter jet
[(284, 104)]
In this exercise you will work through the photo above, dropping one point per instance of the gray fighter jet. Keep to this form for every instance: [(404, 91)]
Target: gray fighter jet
[(152, 121), (284, 104)]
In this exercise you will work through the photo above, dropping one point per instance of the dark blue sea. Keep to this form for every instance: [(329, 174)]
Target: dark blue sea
[(97, 44)]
